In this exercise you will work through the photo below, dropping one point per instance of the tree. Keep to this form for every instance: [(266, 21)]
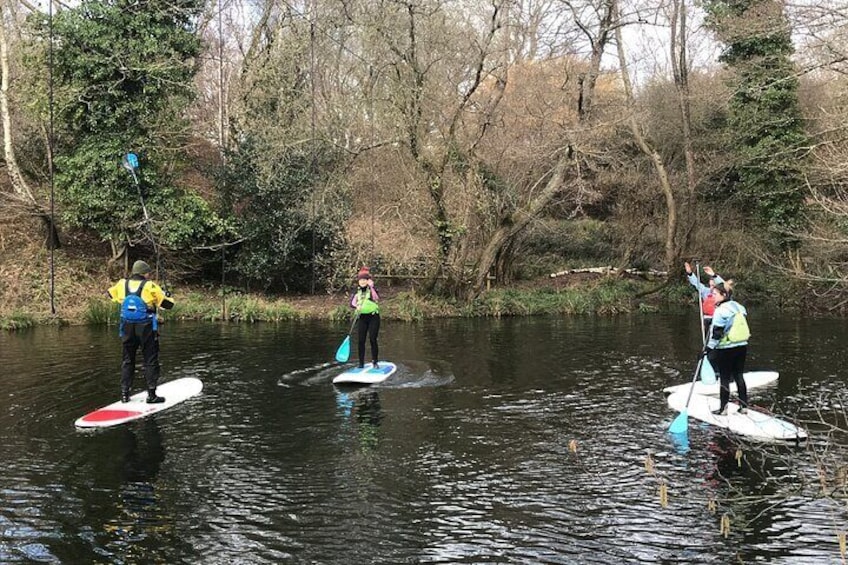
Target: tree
[(564, 162), (679, 49), (124, 72), (23, 195), (765, 125), (648, 150), (279, 166)]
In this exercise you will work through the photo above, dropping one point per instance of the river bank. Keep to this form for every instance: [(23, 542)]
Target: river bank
[(581, 295), (81, 278)]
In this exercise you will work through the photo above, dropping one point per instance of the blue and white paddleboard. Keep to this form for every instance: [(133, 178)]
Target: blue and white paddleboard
[(753, 379), (367, 375)]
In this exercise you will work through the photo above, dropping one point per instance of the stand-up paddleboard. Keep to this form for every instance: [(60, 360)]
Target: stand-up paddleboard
[(753, 379), (753, 424), (119, 412), (367, 375)]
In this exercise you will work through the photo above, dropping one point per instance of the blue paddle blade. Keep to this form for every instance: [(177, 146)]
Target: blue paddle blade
[(680, 425), (130, 162), (708, 376), (680, 443), (343, 352)]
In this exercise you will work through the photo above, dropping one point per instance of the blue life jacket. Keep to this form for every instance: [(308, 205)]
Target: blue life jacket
[(134, 310)]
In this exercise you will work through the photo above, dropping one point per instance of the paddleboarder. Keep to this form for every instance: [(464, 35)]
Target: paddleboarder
[(728, 345), (365, 301), (140, 297), (707, 295)]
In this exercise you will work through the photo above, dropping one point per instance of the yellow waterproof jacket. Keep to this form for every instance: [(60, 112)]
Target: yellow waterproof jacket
[(152, 293)]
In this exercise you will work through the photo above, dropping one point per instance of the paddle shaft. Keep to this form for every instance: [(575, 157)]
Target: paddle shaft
[(682, 419), (700, 306), (353, 323), (694, 378), (681, 423)]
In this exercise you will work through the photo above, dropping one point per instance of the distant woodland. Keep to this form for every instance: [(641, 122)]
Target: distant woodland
[(282, 144)]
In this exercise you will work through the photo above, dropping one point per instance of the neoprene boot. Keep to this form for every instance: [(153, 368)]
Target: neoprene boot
[(721, 411), (125, 396), (376, 365), (152, 398)]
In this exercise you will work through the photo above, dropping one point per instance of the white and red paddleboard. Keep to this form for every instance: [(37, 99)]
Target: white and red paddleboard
[(119, 412)]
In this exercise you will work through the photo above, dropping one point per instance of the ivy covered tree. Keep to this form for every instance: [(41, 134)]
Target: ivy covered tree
[(289, 235), (124, 74), (280, 183), (765, 125)]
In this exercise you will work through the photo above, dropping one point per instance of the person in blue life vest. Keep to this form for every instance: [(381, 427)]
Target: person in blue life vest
[(139, 298), (365, 301), (708, 299), (728, 346)]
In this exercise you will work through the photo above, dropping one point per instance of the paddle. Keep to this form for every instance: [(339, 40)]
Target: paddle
[(708, 375), (343, 352), (680, 425)]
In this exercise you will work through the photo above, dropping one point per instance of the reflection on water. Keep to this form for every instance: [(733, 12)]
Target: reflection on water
[(362, 408), (511, 441)]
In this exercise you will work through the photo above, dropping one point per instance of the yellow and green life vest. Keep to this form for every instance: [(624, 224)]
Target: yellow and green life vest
[(366, 305), (739, 331)]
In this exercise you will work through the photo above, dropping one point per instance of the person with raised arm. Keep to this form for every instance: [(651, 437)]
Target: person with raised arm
[(708, 298)]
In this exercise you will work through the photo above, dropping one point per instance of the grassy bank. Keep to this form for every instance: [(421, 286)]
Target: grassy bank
[(597, 296), (81, 279), (604, 296)]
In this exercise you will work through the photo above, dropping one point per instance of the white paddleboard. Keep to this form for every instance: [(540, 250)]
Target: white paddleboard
[(119, 412), (753, 424), (753, 379), (367, 375)]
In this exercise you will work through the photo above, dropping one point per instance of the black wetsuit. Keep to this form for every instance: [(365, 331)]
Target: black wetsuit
[(369, 326), (730, 366), (137, 334)]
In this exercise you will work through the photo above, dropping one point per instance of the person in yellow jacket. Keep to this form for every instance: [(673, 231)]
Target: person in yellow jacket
[(140, 298)]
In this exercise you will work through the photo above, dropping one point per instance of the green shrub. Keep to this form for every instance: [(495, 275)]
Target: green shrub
[(196, 306), (102, 312), (341, 313), (408, 306), (16, 321)]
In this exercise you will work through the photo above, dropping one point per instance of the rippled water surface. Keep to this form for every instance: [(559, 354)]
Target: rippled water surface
[(537, 440)]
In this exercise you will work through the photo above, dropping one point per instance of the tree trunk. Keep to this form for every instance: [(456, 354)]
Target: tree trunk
[(516, 222), (680, 70), (599, 43), (656, 159), (23, 194)]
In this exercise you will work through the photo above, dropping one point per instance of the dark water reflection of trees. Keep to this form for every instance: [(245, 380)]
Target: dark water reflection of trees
[(512, 441)]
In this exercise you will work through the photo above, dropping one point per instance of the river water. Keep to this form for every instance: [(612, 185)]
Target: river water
[(525, 440)]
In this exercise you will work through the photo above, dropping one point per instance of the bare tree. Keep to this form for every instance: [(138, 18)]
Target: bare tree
[(649, 151), (22, 196), (678, 47)]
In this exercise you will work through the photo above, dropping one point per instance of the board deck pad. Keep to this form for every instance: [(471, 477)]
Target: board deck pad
[(754, 424), (119, 412), (366, 375), (753, 379)]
